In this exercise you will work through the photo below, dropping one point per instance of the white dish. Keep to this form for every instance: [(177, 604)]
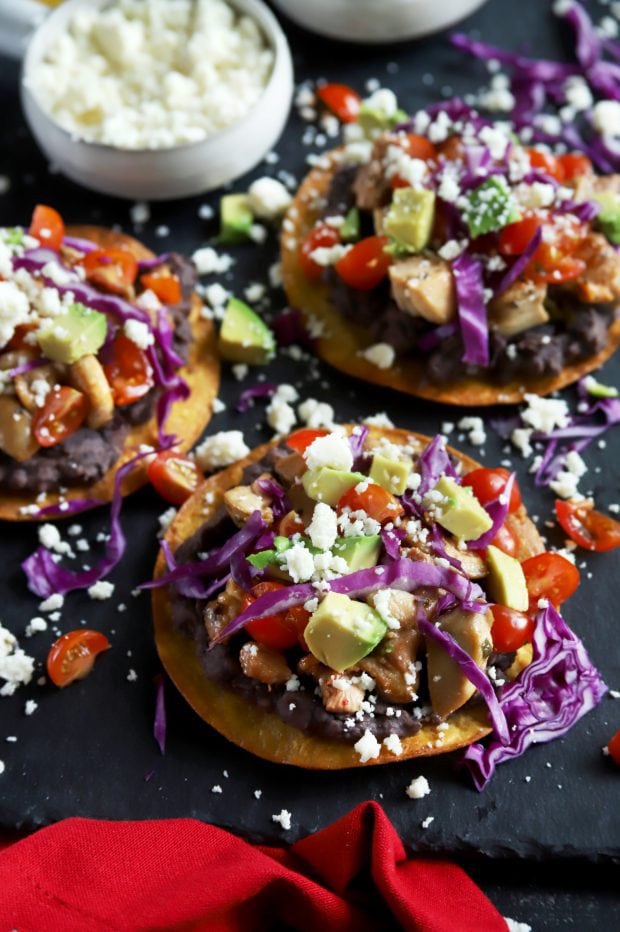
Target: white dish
[(377, 21), (161, 174)]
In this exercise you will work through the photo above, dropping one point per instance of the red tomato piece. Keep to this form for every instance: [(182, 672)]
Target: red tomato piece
[(419, 147), (555, 259), (452, 149), (127, 370), (376, 501), (506, 541), (613, 746), (274, 631), (173, 476), (588, 528), (574, 165), (73, 655), (290, 524), (298, 618), (18, 340), (550, 576), (516, 237), (166, 287), (511, 629), (47, 226), (341, 99), (545, 162), (300, 440), (365, 265), (63, 412), (488, 484), (320, 236), (112, 269)]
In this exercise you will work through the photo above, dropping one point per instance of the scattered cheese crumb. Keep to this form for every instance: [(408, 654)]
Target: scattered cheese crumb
[(221, 450), (101, 590), (418, 788), (283, 817)]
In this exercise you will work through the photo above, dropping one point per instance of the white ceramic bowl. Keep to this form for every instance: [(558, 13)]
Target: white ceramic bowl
[(162, 174), (376, 21)]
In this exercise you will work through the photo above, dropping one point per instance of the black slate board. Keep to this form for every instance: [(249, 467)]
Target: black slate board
[(89, 750)]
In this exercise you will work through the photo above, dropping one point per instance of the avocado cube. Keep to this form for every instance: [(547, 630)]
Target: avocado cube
[(608, 217), (328, 485), (373, 120), (390, 474), (490, 207), (77, 332), (244, 336), (236, 218), (461, 513), (360, 553), (409, 220), (506, 581), (350, 229), (341, 631)]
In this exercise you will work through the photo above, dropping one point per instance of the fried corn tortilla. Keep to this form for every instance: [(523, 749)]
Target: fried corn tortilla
[(187, 418), (342, 341), (264, 733)]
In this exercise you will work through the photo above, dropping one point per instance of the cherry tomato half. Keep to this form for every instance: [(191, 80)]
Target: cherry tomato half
[(376, 501), (506, 540), (112, 269), (173, 476), (488, 484), (546, 162), (613, 746), (416, 147), (511, 629), (127, 370), (300, 440), (588, 528), (73, 655), (341, 99), (290, 524), (516, 237), (554, 260), (574, 165), (322, 236), (365, 265), (550, 576), (298, 618), (166, 287), (47, 226), (275, 631), (63, 412)]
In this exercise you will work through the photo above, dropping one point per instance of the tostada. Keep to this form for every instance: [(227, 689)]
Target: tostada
[(102, 351), (364, 596), (443, 258)]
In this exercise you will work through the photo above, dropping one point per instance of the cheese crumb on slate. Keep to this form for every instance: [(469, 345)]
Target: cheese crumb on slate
[(30, 707), (52, 603), (268, 198), (427, 821), (283, 818), (34, 625), (16, 667), (418, 788), (221, 450), (514, 925), (101, 590), (209, 262)]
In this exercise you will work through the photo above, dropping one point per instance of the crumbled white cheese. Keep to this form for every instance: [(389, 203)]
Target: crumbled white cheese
[(299, 563), (139, 332), (52, 603), (393, 744), (474, 426), (418, 788), (545, 414), (381, 355), (268, 198), (315, 413), (606, 118), (283, 818), (30, 707), (16, 667), (221, 450), (427, 821), (381, 601), (34, 626), (140, 212), (367, 747), (332, 450), (101, 590), (323, 529), (209, 262), (514, 925), (380, 419)]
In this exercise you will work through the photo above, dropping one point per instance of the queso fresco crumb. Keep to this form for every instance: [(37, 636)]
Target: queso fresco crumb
[(153, 74)]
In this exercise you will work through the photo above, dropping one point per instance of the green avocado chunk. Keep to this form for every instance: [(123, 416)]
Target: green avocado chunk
[(341, 631), (461, 513), (350, 229), (506, 582), (244, 336), (76, 332), (608, 217), (328, 485), (236, 218), (374, 120), (490, 207), (390, 474), (410, 217), (360, 553)]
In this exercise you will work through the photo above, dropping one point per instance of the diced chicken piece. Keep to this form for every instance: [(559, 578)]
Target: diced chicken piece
[(340, 695), (371, 186), (301, 502), (401, 605), (87, 375), (243, 500), (520, 307), (308, 665), (600, 283), (529, 541), (424, 286), (221, 611), (583, 187), (393, 666), (30, 387), (378, 215), (449, 688), (289, 467), (603, 183), (472, 563), (16, 438), (264, 664)]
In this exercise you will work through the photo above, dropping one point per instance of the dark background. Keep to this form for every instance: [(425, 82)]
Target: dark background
[(88, 750)]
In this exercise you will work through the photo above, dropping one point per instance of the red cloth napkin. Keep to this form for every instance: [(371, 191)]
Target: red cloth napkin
[(181, 874)]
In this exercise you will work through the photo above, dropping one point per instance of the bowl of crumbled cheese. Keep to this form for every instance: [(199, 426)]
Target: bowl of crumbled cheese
[(157, 99), (377, 21)]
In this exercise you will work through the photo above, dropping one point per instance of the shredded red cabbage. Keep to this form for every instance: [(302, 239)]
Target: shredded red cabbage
[(472, 312), (438, 546), (548, 698), (80, 244), (432, 338), (391, 541), (357, 439), (497, 511), (145, 265), (433, 463), (159, 723), (521, 263), (26, 367), (477, 677), (46, 577), (534, 69), (247, 397), (280, 504)]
